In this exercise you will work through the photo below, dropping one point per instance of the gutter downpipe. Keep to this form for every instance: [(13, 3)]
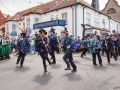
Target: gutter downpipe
[(75, 18), (72, 20), (83, 23)]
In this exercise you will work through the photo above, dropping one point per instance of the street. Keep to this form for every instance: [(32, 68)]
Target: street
[(32, 77)]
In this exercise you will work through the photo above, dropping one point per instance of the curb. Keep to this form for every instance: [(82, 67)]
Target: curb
[(7, 59)]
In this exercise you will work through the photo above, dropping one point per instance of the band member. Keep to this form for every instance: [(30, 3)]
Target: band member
[(95, 48), (69, 46), (23, 46), (84, 45), (53, 42), (41, 47), (115, 43), (108, 45)]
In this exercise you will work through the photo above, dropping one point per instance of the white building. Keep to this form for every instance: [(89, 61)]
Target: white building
[(87, 19)]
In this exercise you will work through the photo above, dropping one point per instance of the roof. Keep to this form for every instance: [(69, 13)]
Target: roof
[(69, 3), (48, 7), (2, 26), (112, 4), (5, 15)]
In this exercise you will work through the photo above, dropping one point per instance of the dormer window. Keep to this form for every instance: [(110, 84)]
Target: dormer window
[(112, 10)]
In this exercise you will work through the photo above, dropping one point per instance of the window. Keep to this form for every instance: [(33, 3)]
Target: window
[(111, 11), (88, 18), (36, 20), (7, 27), (103, 22), (13, 28), (28, 23), (52, 17), (23, 26), (117, 27), (56, 17), (64, 17)]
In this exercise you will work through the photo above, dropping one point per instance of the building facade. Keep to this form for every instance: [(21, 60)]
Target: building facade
[(88, 19)]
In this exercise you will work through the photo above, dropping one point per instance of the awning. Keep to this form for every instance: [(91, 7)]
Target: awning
[(93, 27), (49, 24)]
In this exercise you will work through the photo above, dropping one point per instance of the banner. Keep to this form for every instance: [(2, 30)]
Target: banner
[(4, 42)]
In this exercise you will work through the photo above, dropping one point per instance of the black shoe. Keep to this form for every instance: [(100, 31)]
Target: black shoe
[(49, 63), (45, 70), (101, 64), (17, 63), (53, 63), (95, 64), (68, 68), (108, 61), (74, 70), (21, 65), (82, 56)]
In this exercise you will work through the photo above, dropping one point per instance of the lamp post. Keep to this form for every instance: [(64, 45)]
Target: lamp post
[(76, 18)]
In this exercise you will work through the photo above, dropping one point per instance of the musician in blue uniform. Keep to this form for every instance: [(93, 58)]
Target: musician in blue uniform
[(95, 48), (23, 45), (114, 39), (41, 46), (85, 45), (53, 42), (69, 46), (108, 45)]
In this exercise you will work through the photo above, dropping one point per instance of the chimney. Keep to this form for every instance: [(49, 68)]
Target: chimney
[(8, 16), (95, 4)]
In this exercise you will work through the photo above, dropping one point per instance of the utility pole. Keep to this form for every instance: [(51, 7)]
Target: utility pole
[(75, 18)]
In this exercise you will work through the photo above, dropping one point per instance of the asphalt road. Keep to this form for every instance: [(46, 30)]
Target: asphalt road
[(32, 77)]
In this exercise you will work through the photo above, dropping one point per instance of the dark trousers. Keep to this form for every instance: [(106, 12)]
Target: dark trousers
[(94, 58), (52, 53), (44, 57), (69, 56), (112, 52), (119, 50), (84, 51), (21, 56)]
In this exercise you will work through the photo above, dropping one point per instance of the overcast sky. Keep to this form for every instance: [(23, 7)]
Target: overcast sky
[(19, 5)]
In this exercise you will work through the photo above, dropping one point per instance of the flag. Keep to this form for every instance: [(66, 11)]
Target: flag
[(41, 3), (38, 2), (29, 1), (52, 2)]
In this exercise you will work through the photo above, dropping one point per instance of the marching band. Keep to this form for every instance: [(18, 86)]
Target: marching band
[(92, 43)]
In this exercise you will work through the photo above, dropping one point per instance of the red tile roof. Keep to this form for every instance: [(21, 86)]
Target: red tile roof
[(2, 26), (48, 7)]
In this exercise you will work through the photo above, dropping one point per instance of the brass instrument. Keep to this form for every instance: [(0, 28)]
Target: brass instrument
[(58, 46), (105, 44), (95, 45)]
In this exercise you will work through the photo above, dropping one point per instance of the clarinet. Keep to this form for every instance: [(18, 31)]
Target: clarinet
[(95, 45), (105, 45)]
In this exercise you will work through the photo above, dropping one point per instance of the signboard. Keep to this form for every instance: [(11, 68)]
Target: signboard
[(7, 34), (4, 42), (49, 24), (13, 27), (96, 20), (13, 34), (29, 31)]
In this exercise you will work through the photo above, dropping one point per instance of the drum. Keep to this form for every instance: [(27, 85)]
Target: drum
[(58, 47), (80, 47), (114, 38)]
